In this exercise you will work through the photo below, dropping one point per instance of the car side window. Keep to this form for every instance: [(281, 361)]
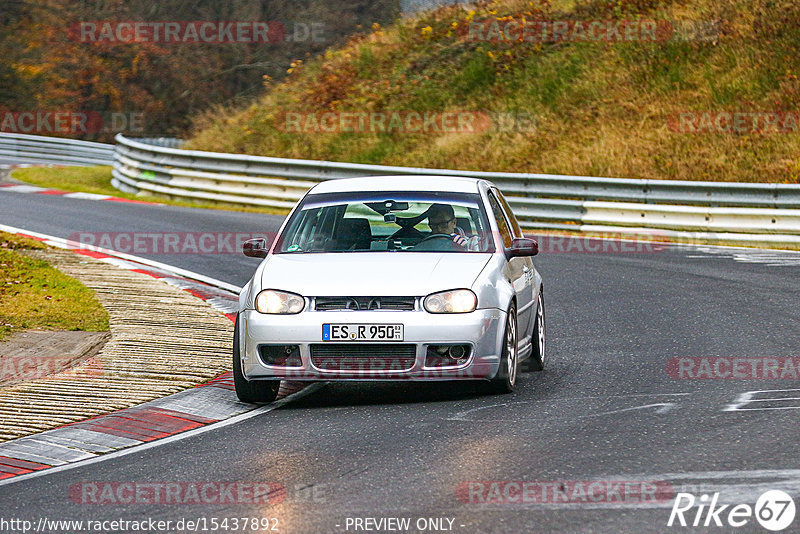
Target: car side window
[(502, 225), (509, 214)]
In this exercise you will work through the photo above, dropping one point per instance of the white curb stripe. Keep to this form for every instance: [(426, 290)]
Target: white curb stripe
[(87, 196), (23, 188)]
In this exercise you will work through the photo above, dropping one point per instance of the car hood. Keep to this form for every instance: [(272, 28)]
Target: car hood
[(371, 274)]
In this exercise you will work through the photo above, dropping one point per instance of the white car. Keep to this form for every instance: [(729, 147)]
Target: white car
[(391, 278)]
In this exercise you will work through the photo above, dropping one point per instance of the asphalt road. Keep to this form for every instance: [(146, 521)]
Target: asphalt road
[(605, 408)]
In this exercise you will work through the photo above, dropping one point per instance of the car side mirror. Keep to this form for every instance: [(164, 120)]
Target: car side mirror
[(522, 246), (255, 248)]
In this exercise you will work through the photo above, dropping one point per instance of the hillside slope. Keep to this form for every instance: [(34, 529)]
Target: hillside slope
[(711, 93)]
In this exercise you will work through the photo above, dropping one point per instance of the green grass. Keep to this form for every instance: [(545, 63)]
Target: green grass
[(85, 179), (35, 295), (600, 108), (98, 180)]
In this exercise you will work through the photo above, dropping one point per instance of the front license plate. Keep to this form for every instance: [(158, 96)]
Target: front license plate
[(362, 332)]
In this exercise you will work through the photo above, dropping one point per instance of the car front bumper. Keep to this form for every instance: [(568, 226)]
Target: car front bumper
[(482, 330)]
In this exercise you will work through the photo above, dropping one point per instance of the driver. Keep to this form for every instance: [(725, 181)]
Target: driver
[(442, 220)]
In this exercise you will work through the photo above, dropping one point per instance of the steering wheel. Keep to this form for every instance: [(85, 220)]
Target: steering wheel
[(441, 236)]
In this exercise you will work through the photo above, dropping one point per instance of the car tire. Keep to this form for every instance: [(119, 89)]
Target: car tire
[(536, 360), (250, 391), (506, 379)]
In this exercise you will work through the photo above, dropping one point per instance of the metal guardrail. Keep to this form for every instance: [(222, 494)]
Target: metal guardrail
[(25, 148), (741, 211), (722, 211)]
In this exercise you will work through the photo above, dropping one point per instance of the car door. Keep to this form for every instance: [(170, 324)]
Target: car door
[(519, 270), (529, 269)]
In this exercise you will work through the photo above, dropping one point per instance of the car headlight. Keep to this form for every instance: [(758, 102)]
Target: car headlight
[(455, 301), (279, 302)]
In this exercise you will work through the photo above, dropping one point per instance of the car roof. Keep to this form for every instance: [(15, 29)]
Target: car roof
[(452, 184)]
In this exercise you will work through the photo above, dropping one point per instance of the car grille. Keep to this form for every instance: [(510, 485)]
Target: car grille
[(363, 357), (364, 303)]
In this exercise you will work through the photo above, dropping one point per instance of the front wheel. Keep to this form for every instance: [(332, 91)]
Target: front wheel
[(250, 391), (506, 379)]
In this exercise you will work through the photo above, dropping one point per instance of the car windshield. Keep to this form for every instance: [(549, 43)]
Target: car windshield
[(402, 221)]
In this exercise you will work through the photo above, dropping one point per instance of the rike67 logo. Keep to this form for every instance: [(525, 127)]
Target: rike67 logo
[(774, 510)]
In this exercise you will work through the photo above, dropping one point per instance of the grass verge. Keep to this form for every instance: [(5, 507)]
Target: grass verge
[(35, 295)]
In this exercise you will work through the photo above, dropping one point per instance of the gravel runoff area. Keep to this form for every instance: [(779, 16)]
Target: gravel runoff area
[(163, 340)]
